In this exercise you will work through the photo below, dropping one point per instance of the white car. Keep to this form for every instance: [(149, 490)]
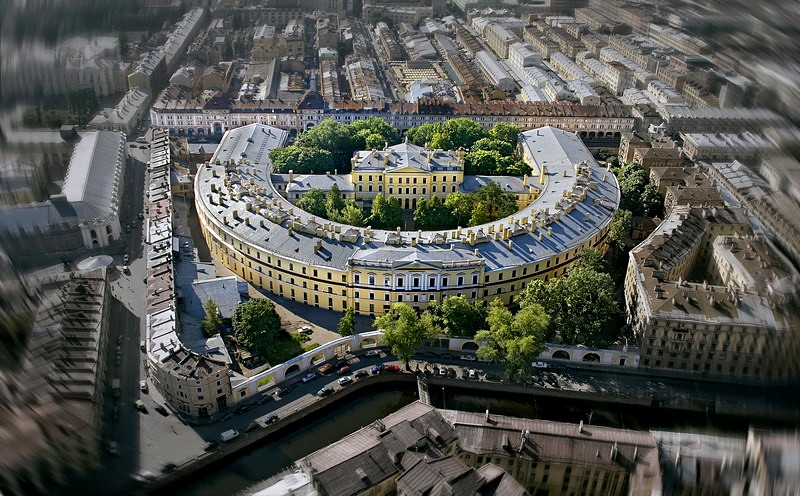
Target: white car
[(306, 330), (309, 377), (539, 365), (442, 371), (373, 353), (472, 374), (469, 358), (343, 381)]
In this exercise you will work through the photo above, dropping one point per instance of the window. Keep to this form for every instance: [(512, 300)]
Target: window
[(399, 282), (444, 282)]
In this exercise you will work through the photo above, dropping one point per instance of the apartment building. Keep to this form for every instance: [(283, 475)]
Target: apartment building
[(744, 146), (125, 116), (176, 110), (706, 297)]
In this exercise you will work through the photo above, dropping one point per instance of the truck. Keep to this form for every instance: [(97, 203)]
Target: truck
[(115, 388)]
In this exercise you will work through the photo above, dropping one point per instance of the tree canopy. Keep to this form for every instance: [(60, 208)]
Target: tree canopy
[(386, 212), (638, 195), (513, 340), (505, 132), (302, 160), (373, 133), (347, 324), (405, 331), (581, 306), (334, 204), (314, 202), (457, 316), (211, 323), (352, 214), (332, 136), (256, 325), (432, 214)]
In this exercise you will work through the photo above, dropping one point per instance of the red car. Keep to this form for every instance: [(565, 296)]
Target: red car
[(326, 369), (391, 368), (344, 370)]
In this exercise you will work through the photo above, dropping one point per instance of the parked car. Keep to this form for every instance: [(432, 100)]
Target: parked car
[(244, 408), (341, 363), (376, 369), (391, 368), (282, 391), (539, 365), (441, 371), (469, 358), (140, 406), (252, 426), (326, 369), (126, 270), (210, 445), (472, 374), (160, 409), (229, 435), (360, 373), (451, 372), (325, 391), (143, 386), (141, 216), (271, 419), (345, 380), (263, 399), (344, 370), (306, 330), (125, 259), (373, 353), (309, 377)]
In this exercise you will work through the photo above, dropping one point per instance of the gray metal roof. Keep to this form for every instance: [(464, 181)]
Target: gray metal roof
[(576, 201)]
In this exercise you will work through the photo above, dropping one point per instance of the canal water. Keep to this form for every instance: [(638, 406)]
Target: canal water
[(272, 456)]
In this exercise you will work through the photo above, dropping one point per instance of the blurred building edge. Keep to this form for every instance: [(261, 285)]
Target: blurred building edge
[(420, 450), (705, 295), (84, 214), (51, 398)]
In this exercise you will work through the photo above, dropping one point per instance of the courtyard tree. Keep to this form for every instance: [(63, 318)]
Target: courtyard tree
[(352, 214), (386, 212), (432, 214), (334, 204), (211, 323), (620, 227), (513, 340), (332, 136), (423, 134), (405, 331), (505, 132), (314, 202), (461, 133), (373, 133), (301, 160), (461, 205), (493, 145), (347, 324), (256, 326)]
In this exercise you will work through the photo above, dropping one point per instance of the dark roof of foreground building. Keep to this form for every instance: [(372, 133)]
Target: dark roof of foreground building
[(448, 476)]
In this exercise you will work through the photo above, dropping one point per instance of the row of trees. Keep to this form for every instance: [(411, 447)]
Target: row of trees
[(471, 209), (490, 152), (578, 308), (329, 146), (331, 206)]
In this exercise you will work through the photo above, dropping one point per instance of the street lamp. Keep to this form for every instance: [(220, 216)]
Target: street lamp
[(444, 403)]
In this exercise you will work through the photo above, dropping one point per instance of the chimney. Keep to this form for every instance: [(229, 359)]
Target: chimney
[(614, 451), (486, 417), (580, 427), (291, 175)]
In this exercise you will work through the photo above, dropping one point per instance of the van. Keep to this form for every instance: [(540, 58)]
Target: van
[(140, 406), (229, 435), (142, 346)]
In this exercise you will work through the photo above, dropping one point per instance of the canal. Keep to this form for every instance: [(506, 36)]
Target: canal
[(273, 455)]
